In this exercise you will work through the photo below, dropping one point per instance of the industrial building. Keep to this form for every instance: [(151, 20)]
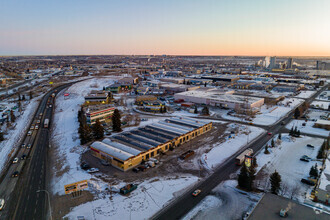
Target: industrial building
[(99, 112), (98, 97), (129, 149), (222, 99)]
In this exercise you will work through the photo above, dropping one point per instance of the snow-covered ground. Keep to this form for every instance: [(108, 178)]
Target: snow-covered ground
[(308, 128), (220, 152), (15, 136), (321, 104), (324, 96), (305, 94), (226, 202), (285, 159), (65, 132), (150, 196)]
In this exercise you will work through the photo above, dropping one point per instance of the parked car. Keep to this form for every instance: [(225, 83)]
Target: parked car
[(196, 192), (307, 181), (135, 170), (269, 133), (93, 170), (32, 127), (142, 168), (38, 121), (151, 163), (23, 145), (282, 123), (40, 114), (28, 146), (154, 160), (104, 163), (305, 158), (311, 146), (36, 127), (29, 133), (15, 174), (23, 157), (15, 160), (84, 166)]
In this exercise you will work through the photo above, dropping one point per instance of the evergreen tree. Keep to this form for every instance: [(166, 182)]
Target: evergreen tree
[(279, 136), (205, 111), (205, 84), (298, 133), (254, 162), (243, 177), (314, 171), (297, 113), (23, 97), (295, 131), (275, 180), (252, 176), (273, 143), (291, 132), (161, 109), (266, 150), (98, 130), (165, 109), (19, 97), (1, 136), (103, 88), (196, 110), (30, 95), (116, 121), (12, 116)]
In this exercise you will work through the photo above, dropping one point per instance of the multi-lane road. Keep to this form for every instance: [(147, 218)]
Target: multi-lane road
[(20, 193), (183, 204)]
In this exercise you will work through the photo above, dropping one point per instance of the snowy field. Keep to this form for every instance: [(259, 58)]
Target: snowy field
[(226, 202), (15, 136), (150, 196), (65, 132), (285, 159), (308, 128), (324, 96), (305, 94), (220, 152), (320, 104)]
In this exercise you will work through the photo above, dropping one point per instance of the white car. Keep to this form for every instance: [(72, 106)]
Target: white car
[(36, 127), (15, 160), (2, 204), (93, 170), (29, 133)]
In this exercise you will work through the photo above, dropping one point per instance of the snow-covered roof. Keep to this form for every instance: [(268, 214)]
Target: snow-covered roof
[(123, 147), (322, 122), (112, 151)]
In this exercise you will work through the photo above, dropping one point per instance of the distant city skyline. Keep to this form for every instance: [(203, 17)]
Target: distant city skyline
[(146, 27)]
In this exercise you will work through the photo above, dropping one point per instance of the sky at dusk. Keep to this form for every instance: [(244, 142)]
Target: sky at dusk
[(173, 27)]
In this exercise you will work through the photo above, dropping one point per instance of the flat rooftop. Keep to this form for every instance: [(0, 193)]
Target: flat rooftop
[(270, 205)]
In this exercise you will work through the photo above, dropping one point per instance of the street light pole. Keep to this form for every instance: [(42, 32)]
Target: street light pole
[(50, 208)]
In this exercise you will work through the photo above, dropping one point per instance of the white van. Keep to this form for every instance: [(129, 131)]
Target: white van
[(154, 160), (151, 163), (2, 204)]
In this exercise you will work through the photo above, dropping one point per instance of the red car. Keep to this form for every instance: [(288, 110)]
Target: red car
[(269, 133)]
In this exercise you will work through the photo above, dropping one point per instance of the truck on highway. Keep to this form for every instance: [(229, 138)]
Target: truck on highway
[(46, 123), (241, 158)]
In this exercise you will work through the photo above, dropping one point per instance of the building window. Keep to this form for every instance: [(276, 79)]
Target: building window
[(152, 154)]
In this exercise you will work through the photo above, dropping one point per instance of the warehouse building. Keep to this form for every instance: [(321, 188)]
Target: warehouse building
[(128, 149), (98, 97), (222, 99)]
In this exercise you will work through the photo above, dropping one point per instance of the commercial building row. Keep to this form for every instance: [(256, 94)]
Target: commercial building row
[(129, 149)]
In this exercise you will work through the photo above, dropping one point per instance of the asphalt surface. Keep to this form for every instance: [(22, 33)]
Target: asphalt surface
[(20, 193), (183, 204)]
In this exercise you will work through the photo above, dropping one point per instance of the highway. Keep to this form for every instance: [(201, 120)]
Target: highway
[(183, 204), (20, 193)]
